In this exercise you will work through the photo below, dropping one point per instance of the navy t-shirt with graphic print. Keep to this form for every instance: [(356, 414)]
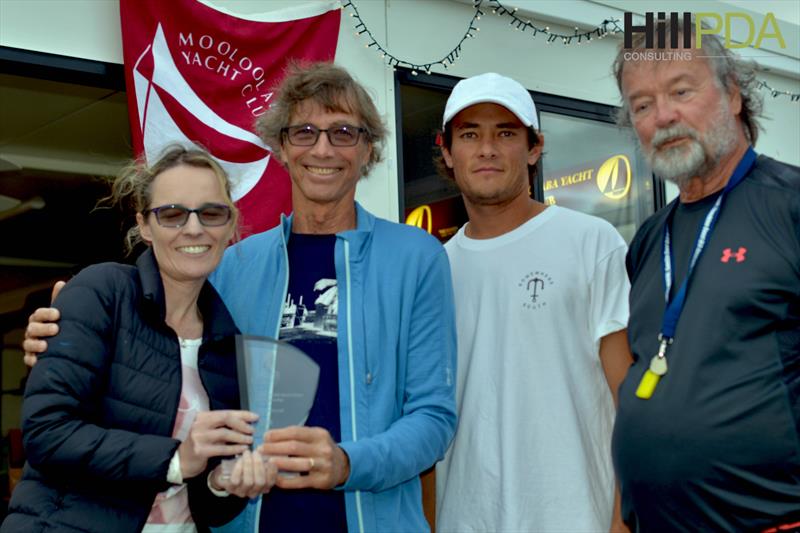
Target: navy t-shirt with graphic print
[(309, 323)]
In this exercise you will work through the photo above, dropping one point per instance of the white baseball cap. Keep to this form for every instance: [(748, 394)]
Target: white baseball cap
[(492, 88)]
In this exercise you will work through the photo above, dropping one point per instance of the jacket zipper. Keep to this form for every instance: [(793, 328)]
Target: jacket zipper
[(352, 371)]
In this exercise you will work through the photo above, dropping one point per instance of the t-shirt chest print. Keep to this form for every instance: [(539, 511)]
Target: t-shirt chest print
[(534, 290), (306, 320), (309, 317)]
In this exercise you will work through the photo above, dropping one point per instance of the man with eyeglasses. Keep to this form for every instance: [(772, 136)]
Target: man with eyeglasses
[(379, 320), (369, 300)]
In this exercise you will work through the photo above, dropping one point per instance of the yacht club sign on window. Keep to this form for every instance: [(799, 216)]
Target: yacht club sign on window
[(600, 180)]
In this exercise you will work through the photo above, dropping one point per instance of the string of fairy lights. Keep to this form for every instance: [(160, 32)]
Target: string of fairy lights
[(515, 21), (794, 97), (525, 24), (393, 61)]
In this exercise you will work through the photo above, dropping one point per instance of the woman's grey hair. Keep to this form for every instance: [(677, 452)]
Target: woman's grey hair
[(335, 90), (729, 71)]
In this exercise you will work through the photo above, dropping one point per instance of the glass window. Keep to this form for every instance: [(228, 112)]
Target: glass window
[(593, 167), (431, 201)]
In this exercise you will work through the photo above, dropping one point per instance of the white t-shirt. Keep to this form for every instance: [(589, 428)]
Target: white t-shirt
[(532, 449), (170, 512)]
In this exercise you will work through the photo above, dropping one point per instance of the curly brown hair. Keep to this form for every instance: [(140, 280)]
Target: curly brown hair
[(333, 88)]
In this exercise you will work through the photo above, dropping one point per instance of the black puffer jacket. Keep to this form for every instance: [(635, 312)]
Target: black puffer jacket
[(100, 405)]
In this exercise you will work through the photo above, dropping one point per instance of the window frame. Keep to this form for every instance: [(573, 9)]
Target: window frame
[(54, 67)]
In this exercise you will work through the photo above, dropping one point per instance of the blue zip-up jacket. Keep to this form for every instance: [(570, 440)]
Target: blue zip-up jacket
[(397, 356)]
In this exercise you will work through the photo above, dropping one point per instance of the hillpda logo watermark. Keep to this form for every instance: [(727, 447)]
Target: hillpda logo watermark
[(680, 29)]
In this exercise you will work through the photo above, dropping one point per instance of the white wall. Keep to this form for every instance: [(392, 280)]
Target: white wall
[(77, 28), (425, 30)]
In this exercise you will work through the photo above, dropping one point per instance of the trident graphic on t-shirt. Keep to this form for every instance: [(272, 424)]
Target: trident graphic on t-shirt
[(538, 284)]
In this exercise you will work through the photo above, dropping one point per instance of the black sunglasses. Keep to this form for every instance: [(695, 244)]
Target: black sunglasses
[(308, 134), (176, 215)]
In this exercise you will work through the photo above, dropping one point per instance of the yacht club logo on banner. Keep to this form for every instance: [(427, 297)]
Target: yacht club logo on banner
[(199, 76)]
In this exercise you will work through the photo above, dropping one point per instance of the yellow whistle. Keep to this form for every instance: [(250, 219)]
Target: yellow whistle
[(648, 385)]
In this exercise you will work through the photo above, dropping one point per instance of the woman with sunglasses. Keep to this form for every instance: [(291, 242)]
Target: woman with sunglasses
[(136, 398)]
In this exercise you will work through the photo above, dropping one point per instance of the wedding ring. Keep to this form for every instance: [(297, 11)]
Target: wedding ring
[(311, 463)]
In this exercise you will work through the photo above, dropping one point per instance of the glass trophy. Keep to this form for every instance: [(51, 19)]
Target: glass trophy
[(277, 381)]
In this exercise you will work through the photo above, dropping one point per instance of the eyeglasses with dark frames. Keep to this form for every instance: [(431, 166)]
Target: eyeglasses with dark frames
[(308, 134), (176, 215)]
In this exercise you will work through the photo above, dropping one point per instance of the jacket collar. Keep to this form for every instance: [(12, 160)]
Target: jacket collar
[(358, 237), (150, 278), (217, 321)]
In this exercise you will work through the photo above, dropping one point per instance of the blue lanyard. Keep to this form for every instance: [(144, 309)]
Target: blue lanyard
[(675, 307)]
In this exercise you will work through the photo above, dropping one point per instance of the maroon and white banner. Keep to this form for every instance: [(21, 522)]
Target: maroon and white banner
[(195, 74)]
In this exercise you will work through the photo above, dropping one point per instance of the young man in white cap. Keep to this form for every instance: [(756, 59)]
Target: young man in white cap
[(541, 308)]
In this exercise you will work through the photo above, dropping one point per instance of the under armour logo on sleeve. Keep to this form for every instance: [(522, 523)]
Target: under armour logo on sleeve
[(727, 255)]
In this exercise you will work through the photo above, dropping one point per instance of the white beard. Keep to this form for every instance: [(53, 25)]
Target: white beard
[(680, 164)]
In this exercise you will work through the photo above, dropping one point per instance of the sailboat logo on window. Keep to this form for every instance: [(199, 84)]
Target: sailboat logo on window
[(421, 217), (614, 177)]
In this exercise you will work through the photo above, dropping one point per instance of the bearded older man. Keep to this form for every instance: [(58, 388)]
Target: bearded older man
[(707, 435)]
